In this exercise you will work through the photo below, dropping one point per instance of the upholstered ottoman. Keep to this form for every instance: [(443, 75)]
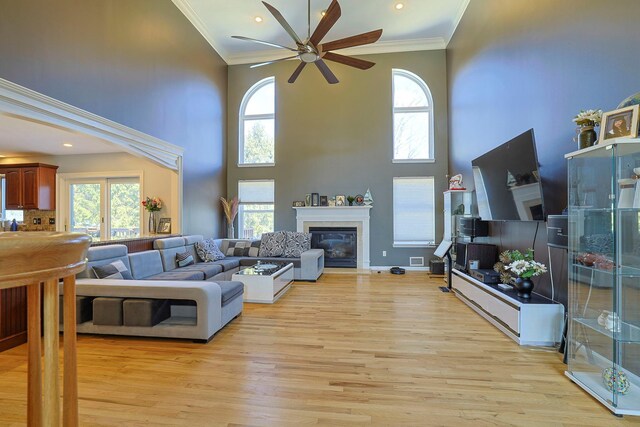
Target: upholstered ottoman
[(145, 312), (84, 309), (107, 311)]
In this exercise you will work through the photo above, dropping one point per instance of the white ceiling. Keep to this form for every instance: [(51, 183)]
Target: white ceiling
[(20, 136), (420, 25)]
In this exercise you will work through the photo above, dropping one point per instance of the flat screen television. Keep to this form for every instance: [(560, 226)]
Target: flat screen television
[(507, 181)]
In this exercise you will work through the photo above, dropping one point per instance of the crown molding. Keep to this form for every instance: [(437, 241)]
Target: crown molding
[(457, 19), (185, 7), (436, 43), (24, 102)]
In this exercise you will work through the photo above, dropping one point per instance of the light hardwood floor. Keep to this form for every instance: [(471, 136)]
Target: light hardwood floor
[(348, 350)]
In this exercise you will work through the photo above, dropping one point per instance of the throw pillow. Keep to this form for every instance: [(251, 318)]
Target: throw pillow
[(236, 248), (208, 251), (252, 250), (272, 244), (184, 259), (296, 243), (115, 270)]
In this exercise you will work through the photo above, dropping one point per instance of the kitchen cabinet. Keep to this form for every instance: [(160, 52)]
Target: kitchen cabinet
[(30, 186)]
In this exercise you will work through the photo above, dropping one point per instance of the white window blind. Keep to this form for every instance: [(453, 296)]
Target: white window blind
[(256, 209), (256, 191), (413, 211)]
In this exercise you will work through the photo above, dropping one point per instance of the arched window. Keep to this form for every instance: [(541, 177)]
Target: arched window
[(412, 118), (257, 125)]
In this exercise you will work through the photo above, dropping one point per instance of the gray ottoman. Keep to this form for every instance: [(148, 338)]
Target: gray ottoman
[(107, 311), (84, 309), (145, 312)]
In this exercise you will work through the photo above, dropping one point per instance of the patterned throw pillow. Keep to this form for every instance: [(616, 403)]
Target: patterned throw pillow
[(115, 270), (272, 244), (236, 248), (296, 243), (252, 250), (184, 259), (208, 251)]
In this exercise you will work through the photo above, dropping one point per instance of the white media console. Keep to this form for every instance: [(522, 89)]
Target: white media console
[(537, 321)]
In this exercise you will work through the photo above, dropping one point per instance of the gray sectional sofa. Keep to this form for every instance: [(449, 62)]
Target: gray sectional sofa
[(165, 300)]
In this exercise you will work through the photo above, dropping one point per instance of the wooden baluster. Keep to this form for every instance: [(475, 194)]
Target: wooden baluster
[(51, 341), (34, 383), (70, 399)]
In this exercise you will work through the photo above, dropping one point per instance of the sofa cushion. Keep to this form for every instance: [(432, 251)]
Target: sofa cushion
[(145, 264), (209, 269), (178, 274), (169, 242), (184, 259), (296, 243), (114, 270), (237, 248), (253, 249), (272, 244), (244, 262), (229, 263), (103, 255), (208, 250), (230, 290)]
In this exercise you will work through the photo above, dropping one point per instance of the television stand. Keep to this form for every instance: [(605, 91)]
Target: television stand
[(536, 322)]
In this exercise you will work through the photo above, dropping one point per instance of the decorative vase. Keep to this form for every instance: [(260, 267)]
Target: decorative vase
[(587, 137), (524, 287), (152, 222), (231, 233)]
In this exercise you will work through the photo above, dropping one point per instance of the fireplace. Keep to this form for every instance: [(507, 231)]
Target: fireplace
[(340, 245)]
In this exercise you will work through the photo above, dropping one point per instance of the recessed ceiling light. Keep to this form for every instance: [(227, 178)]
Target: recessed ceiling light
[(324, 12), (399, 6), (258, 19), (66, 144)]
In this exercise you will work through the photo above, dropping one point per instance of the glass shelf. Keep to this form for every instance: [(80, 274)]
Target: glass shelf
[(623, 271), (628, 333)]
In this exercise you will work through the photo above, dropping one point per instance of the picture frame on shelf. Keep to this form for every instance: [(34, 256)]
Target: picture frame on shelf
[(324, 201), (341, 200), (315, 199), (164, 226), (332, 201), (298, 204), (359, 200), (619, 123), (307, 199)]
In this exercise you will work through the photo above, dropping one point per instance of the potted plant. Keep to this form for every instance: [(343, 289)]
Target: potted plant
[(350, 199), (152, 205), (587, 120), (523, 267)]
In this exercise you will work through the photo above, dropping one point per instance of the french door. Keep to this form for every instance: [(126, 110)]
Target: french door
[(105, 208)]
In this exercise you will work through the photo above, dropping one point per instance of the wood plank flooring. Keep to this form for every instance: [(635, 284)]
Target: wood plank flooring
[(349, 350)]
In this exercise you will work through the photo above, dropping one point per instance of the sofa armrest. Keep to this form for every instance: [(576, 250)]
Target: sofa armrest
[(311, 264), (207, 295)]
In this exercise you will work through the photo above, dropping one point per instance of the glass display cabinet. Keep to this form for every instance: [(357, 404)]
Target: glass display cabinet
[(457, 204), (604, 273)]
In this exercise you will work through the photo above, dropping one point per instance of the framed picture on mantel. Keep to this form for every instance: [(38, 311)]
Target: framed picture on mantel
[(315, 199)]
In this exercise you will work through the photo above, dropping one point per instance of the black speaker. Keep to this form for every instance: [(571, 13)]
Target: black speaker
[(558, 231), (473, 227)]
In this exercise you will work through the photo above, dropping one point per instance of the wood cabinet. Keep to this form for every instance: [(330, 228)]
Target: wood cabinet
[(30, 186)]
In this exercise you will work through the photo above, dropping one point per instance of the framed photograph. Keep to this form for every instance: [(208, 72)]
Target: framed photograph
[(298, 204), (315, 199), (341, 200), (307, 200), (332, 201), (164, 226), (619, 123), (324, 201)]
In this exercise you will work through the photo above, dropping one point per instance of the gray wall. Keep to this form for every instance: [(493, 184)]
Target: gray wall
[(517, 65), (137, 62), (337, 139)]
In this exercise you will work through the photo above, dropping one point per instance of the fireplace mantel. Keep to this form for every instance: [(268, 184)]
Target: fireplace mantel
[(330, 216)]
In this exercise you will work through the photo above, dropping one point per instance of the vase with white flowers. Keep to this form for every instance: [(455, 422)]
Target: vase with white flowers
[(524, 267), (587, 120)]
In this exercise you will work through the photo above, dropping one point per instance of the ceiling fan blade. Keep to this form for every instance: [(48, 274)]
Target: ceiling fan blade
[(274, 61), (328, 20), (326, 72), (358, 40), (297, 72), (263, 42), (348, 60), (283, 22)]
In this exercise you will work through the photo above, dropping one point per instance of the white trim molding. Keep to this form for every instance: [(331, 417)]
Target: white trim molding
[(24, 102)]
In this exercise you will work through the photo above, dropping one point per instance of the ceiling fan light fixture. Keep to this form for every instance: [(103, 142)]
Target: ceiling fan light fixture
[(309, 57)]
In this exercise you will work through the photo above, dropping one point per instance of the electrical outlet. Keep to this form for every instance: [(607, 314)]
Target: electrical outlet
[(39, 221), (384, 253), (52, 221), (35, 221)]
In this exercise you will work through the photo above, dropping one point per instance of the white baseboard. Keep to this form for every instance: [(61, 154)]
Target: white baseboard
[(387, 268)]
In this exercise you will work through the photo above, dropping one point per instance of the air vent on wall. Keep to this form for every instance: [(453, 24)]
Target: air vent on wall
[(416, 261)]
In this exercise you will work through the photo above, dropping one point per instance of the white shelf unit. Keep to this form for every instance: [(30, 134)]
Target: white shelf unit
[(537, 322)]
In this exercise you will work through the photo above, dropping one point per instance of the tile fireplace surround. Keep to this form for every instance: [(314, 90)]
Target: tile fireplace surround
[(339, 216)]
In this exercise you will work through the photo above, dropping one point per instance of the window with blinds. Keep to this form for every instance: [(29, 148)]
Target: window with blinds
[(256, 208), (413, 212)]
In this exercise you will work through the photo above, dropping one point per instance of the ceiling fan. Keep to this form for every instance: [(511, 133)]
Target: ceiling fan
[(311, 50)]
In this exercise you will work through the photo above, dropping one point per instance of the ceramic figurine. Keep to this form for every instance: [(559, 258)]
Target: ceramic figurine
[(455, 183), (368, 200)]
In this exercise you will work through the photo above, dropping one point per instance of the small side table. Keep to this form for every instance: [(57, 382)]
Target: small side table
[(28, 259)]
